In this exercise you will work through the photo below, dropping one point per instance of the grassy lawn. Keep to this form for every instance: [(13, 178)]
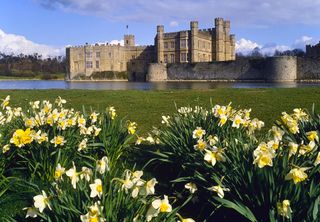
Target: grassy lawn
[(146, 107)]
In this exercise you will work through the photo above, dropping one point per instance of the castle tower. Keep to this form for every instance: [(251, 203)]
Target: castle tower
[(220, 39), (227, 43), (159, 44), (232, 47), (129, 40), (194, 41)]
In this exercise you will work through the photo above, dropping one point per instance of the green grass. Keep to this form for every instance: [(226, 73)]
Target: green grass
[(146, 107)]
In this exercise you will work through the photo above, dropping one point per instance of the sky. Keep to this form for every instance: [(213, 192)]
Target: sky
[(47, 26)]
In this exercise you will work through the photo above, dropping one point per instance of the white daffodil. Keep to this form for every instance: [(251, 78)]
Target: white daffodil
[(219, 190), (192, 187), (96, 188), (103, 165), (162, 205), (59, 172), (73, 175), (41, 202), (59, 101), (31, 212), (86, 173), (83, 144), (198, 133), (58, 141)]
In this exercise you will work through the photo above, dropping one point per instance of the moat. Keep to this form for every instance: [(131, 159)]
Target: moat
[(114, 85)]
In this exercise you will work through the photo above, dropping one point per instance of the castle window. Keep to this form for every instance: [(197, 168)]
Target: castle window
[(172, 58), (97, 54), (79, 56), (97, 64), (88, 55), (110, 54), (165, 45), (204, 57), (172, 45), (133, 57), (89, 64), (183, 57), (165, 58), (183, 43), (204, 45)]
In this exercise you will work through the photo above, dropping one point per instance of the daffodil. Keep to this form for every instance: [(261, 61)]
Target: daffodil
[(132, 126), (94, 117), (58, 141), (73, 175), (149, 186), (20, 137), (102, 165), (165, 120), (219, 190), (213, 140), (264, 159), (284, 208), (5, 102), (5, 148), (192, 187), (59, 101), (59, 172), (83, 144), (237, 121), (127, 183), (96, 188), (31, 212), (293, 148), (277, 133), (223, 120), (112, 112), (184, 219), (41, 201), (198, 133), (162, 205), (201, 145), (312, 136), (86, 173), (297, 175)]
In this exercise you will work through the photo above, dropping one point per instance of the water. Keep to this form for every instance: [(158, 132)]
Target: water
[(60, 84)]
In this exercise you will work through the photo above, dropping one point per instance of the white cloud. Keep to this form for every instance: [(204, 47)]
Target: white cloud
[(117, 42), (17, 44), (270, 49), (303, 41), (245, 46), (174, 24), (245, 12)]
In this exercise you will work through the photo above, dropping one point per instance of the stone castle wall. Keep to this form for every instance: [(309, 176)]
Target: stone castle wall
[(272, 69)]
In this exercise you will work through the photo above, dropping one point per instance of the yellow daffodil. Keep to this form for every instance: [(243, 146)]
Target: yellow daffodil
[(293, 148), (263, 160), (223, 120), (112, 112), (20, 137), (41, 201), (198, 133), (132, 126), (312, 136), (96, 188), (277, 133), (297, 175), (284, 208)]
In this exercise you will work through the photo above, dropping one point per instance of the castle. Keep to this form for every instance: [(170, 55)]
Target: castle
[(190, 46), (313, 51)]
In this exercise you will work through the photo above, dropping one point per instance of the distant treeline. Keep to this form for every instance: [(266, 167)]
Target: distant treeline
[(258, 53), (32, 66)]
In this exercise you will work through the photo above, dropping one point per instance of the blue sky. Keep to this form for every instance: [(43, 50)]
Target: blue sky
[(46, 25)]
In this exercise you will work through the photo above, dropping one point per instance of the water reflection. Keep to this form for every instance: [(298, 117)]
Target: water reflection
[(59, 84)]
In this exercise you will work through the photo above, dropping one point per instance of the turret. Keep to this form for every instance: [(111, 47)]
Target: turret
[(194, 41), (129, 40), (233, 47), (159, 44), (227, 43)]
